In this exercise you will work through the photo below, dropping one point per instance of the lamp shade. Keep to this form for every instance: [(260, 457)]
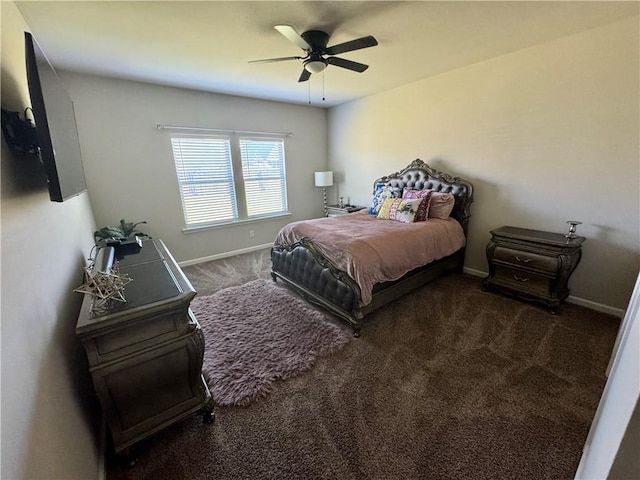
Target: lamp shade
[(323, 179)]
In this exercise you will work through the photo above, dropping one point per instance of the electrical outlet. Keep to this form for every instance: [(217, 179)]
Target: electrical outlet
[(252, 233)]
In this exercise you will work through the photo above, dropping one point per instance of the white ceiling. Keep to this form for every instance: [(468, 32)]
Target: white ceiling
[(206, 45)]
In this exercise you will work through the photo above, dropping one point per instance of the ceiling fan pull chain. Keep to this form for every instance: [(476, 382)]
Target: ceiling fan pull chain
[(323, 85), (309, 90)]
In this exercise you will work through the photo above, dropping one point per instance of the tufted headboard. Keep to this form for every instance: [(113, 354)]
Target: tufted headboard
[(421, 176)]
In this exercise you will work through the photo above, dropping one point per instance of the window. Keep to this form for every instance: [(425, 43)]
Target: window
[(227, 178)]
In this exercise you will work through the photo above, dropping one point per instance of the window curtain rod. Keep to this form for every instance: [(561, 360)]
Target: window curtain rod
[(160, 126)]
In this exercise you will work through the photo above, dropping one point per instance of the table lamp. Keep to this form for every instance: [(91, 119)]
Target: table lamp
[(324, 180)]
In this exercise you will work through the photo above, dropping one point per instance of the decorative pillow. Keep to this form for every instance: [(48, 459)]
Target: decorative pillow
[(423, 209), (441, 205), (381, 193), (400, 209)]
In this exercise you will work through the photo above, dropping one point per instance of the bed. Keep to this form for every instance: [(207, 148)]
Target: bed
[(353, 264)]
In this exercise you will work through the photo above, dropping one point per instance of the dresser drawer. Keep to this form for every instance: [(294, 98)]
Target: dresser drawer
[(524, 259), (138, 336), (525, 282)]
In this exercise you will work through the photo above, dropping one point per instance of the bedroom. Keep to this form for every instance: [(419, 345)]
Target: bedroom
[(518, 134)]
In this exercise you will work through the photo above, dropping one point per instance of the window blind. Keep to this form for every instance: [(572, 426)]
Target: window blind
[(205, 178), (263, 171), (209, 190)]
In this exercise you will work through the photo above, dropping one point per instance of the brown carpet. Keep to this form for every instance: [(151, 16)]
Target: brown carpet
[(447, 383)]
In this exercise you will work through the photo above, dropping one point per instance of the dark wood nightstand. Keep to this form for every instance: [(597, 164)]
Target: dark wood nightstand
[(532, 264), (337, 210)]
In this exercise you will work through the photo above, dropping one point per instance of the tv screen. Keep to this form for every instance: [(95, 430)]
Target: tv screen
[(55, 125)]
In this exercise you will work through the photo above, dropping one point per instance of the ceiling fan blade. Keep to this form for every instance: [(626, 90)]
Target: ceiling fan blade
[(304, 76), (357, 44), (290, 33), (348, 64), (280, 59)]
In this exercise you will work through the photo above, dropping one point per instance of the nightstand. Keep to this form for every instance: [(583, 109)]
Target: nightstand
[(531, 264), (337, 210)]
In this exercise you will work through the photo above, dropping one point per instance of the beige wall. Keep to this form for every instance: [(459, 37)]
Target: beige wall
[(546, 134), (46, 391), (129, 163)]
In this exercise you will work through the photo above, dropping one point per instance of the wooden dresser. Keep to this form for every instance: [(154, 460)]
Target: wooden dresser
[(532, 264), (145, 355)]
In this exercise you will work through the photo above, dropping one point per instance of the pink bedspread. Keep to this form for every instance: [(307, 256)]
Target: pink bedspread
[(373, 250)]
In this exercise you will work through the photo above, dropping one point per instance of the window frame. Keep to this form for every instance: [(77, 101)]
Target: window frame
[(234, 140)]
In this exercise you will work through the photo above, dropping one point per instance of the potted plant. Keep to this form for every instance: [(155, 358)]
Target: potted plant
[(113, 235)]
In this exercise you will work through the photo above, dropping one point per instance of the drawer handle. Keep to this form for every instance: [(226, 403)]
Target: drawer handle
[(523, 260), (520, 279)]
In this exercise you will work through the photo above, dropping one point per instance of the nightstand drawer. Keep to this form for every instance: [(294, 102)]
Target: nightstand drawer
[(526, 259), (522, 281), (532, 264)]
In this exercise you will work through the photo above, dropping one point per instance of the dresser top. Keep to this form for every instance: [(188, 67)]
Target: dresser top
[(156, 280), (537, 236)]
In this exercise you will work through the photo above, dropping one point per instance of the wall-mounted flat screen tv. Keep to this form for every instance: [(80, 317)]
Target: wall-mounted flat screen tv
[(55, 125)]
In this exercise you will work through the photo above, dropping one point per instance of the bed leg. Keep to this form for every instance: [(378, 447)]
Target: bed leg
[(460, 267), (356, 328), (356, 322), (274, 277)]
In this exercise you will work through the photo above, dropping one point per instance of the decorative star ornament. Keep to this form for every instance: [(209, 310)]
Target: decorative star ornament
[(104, 286)]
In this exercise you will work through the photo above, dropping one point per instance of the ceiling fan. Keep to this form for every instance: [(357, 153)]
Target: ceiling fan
[(318, 55)]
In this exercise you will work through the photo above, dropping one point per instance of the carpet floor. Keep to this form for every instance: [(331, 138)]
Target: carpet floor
[(446, 383)]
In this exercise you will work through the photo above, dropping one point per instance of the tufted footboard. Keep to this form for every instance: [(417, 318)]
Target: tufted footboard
[(302, 267)]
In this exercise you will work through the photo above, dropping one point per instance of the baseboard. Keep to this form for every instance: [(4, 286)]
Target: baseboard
[(598, 307), (102, 450), (218, 256), (474, 272)]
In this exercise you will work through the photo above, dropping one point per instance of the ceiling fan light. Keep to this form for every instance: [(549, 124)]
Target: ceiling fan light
[(315, 66)]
